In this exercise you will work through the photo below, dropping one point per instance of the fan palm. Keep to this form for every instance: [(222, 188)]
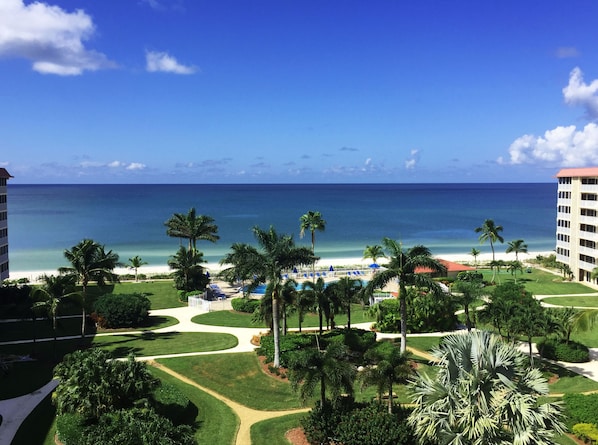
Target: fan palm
[(402, 266), (518, 246), (90, 263), (483, 394), (192, 227)]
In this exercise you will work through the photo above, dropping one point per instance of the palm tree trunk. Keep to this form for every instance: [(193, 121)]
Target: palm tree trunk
[(83, 299), (320, 318), (467, 319), (322, 390), (349, 316), (390, 398), (275, 330), (403, 308)]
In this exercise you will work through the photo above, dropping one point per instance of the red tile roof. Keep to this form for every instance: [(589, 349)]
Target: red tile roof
[(450, 267), (577, 172), (4, 173)]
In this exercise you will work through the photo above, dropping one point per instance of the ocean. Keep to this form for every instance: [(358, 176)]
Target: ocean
[(44, 220)]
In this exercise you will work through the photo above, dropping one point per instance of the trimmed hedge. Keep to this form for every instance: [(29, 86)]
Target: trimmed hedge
[(121, 310), (246, 305), (581, 408), (558, 349), (586, 432)]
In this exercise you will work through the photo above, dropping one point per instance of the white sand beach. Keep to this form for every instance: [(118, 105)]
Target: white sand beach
[(322, 264)]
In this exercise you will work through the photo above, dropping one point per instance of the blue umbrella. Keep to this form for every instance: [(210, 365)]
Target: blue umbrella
[(374, 266), (294, 270), (331, 269)]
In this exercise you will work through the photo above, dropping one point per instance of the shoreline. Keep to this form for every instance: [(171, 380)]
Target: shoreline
[(322, 264)]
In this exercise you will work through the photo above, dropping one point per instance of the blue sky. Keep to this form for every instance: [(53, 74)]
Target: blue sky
[(242, 91)]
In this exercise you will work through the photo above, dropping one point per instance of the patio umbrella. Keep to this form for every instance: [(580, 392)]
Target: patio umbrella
[(331, 269), (294, 270), (374, 266)]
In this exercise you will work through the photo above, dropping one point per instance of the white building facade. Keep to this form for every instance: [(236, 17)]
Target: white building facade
[(577, 220), (4, 269)]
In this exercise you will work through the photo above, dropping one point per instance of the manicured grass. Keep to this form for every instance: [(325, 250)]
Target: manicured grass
[(272, 431), (237, 377), (581, 301), (216, 423), (588, 338), (243, 320), (568, 381), (150, 343), (539, 282), (161, 293), (423, 343), (42, 328)]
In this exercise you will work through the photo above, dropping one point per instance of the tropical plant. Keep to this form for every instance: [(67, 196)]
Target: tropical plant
[(402, 266), (374, 252), (474, 253), (386, 367), (90, 263), (344, 292), (329, 368), (312, 221), (467, 293), (277, 253), (121, 310), (505, 304), (51, 294), (316, 291), (518, 246), (483, 394), (240, 265), (188, 272), (192, 227), (135, 263), (490, 232), (514, 267)]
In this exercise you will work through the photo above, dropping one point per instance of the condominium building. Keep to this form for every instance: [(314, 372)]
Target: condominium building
[(4, 177), (577, 220)]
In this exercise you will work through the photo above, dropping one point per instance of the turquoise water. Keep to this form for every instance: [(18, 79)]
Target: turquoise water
[(46, 219)]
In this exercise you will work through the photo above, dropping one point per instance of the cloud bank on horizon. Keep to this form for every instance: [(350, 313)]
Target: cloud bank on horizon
[(292, 109)]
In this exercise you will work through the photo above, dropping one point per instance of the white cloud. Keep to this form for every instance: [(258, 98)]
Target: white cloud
[(562, 146), (577, 92), (115, 164), (50, 37), (163, 62), (413, 158), (136, 166)]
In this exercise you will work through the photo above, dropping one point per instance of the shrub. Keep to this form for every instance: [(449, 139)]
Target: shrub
[(288, 345), (558, 349), (321, 422), (119, 310), (70, 428), (357, 340), (246, 305), (586, 432), (581, 408), (171, 403)]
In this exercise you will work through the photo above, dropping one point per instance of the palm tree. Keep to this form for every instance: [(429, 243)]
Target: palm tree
[(489, 231), (474, 253), (192, 227), (402, 267), (316, 291), (312, 221), (468, 292), (387, 366), (51, 293), (374, 252), (345, 292), (240, 265), (135, 263), (90, 263), (278, 253), (514, 267), (188, 270), (329, 368), (518, 246), (484, 393)]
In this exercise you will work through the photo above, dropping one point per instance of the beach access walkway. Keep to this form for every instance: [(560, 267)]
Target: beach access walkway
[(14, 411)]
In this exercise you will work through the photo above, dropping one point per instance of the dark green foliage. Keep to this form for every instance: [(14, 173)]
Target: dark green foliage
[(247, 305), (581, 409), (350, 423), (373, 425), (121, 311), (358, 341), (70, 428), (137, 426), (14, 301), (561, 350), (288, 345), (470, 276), (171, 403)]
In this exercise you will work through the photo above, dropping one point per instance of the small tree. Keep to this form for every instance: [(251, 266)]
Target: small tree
[(135, 263)]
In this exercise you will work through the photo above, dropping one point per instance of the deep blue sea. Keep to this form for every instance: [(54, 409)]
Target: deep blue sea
[(129, 219)]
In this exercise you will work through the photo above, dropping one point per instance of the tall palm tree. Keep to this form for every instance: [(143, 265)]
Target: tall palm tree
[(135, 263), (345, 291), (316, 291), (329, 368), (402, 266), (50, 295), (483, 394), (489, 231), (277, 253), (192, 227), (474, 253), (518, 246), (240, 265), (386, 367), (312, 221), (374, 252), (90, 263)]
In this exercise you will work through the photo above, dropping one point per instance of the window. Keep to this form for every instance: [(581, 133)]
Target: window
[(2, 182), (3, 216), (587, 228), (565, 195), (2, 199), (564, 209), (587, 259), (563, 223), (562, 252), (589, 197), (587, 243), (565, 180), (589, 181), (3, 233), (563, 237), (588, 212)]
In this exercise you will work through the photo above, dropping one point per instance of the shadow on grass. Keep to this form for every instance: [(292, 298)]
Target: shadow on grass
[(119, 346)]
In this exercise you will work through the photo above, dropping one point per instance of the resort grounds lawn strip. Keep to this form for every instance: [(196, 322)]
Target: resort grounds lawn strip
[(423, 343), (539, 282), (581, 301), (161, 293), (216, 423), (238, 377), (42, 328), (243, 320), (272, 431)]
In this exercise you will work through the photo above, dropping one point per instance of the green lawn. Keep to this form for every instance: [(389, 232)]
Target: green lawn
[(581, 301), (161, 293), (539, 282), (237, 377), (272, 431)]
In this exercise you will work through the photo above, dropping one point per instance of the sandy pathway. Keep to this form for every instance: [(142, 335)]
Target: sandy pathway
[(247, 416)]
